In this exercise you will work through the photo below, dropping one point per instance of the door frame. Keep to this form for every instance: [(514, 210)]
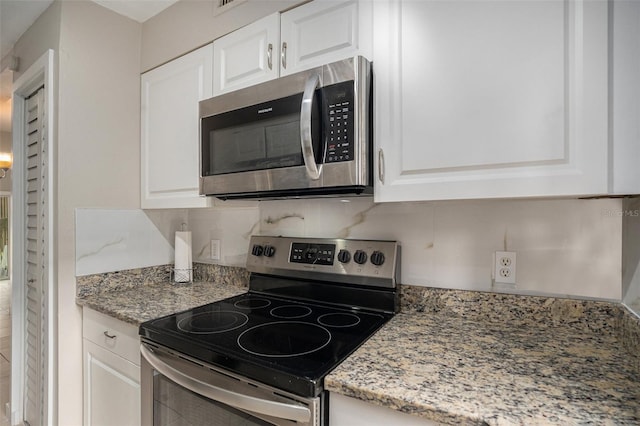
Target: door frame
[(41, 73)]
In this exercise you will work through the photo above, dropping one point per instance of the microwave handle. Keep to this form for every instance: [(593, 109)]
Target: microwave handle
[(306, 141), (230, 398)]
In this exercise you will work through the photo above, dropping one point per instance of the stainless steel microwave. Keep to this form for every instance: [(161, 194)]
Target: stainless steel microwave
[(306, 134)]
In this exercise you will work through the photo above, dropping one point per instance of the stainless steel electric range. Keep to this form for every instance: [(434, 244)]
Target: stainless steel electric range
[(261, 357)]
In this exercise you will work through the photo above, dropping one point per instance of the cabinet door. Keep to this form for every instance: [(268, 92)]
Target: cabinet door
[(490, 99), (247, 56), (347, 411), (170, 130), (111, 388), (325, 31)]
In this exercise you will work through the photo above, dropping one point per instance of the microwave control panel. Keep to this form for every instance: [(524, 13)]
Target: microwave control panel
[(339, 122)]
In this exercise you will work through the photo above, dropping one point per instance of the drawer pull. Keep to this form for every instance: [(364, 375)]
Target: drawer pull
[(110, 336)]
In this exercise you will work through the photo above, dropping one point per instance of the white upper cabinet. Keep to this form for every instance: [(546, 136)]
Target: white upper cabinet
[(247, 56), (325, 31), (490, 99), (316, 33), (170, 130)]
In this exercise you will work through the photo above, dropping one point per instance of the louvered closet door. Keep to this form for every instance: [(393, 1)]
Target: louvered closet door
[(35, 327)]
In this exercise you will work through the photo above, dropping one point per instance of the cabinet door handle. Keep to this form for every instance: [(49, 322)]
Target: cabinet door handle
[(283, 55), (381, 165), (270, 56), (110, 336)]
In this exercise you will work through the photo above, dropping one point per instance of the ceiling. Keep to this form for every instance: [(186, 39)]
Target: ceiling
[(16, 16)]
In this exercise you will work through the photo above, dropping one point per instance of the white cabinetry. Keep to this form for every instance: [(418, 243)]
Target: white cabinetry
[(325, 31), (170, 130), (247, 56), (491, 99), (346, 411), (111, 357), (310, 35)]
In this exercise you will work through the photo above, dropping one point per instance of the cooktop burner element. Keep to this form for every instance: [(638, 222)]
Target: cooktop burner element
[(290, 311), (213, 322), (339, 320), (284, 339), (252, 303), (307, 309)]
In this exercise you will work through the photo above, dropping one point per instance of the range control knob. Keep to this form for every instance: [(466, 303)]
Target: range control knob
[(360, 257), (377, 258), (257, 250), (269, 251), (344, 256)]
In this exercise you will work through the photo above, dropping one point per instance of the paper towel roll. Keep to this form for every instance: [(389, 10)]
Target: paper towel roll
[(183, 267)]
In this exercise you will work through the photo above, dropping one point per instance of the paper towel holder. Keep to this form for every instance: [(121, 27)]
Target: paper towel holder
[(181, 275)]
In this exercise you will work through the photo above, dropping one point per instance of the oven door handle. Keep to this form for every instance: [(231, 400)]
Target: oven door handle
[(306, 139), (233, 399)]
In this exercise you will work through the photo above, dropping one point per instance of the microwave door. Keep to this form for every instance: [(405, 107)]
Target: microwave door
[(260, 137)]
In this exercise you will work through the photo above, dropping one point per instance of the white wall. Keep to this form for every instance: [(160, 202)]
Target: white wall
[(97, 164), (115, 240), (189, 24), (99, 155), (630, 214), (564, 247)]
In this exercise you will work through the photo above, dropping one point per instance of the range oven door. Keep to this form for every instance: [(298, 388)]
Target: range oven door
[(177, 390), (297, 135)]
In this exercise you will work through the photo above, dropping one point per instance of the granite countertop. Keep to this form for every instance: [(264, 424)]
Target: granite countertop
[(140, 295), (452, 357), (475, 369), (149, 301)]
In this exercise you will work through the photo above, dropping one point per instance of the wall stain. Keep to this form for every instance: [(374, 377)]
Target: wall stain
[(271, 221), (253, 229), (359, 218), (109, 244), (506, 232)]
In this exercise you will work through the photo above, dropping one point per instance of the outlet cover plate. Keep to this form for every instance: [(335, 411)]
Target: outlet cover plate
[(215, 250), (505, 267)]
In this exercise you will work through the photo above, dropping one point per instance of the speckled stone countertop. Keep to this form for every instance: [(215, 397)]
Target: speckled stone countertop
[(452, 357), (136, 296), (471, 358)]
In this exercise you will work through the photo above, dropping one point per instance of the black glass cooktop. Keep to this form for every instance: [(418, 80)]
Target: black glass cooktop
[(284, 343)]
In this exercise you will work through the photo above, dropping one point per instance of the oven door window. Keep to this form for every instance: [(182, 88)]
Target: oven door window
[(260, 137), (176, 406)]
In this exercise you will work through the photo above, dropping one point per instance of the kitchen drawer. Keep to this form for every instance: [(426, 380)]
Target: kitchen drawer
[(124, 340)]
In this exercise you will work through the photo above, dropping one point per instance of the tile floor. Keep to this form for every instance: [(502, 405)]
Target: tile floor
[(5, 348)]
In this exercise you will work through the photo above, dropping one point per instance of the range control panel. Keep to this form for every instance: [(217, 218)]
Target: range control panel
[(372, 262)]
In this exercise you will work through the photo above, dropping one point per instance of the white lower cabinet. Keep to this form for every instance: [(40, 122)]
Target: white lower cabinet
[(346, 411), (111, 375)]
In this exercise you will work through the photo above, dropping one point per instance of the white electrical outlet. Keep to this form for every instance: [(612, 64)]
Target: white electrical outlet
[(505, 267), (215, 249)]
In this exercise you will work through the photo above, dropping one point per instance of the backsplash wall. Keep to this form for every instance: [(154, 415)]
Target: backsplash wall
[(564, 247)]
